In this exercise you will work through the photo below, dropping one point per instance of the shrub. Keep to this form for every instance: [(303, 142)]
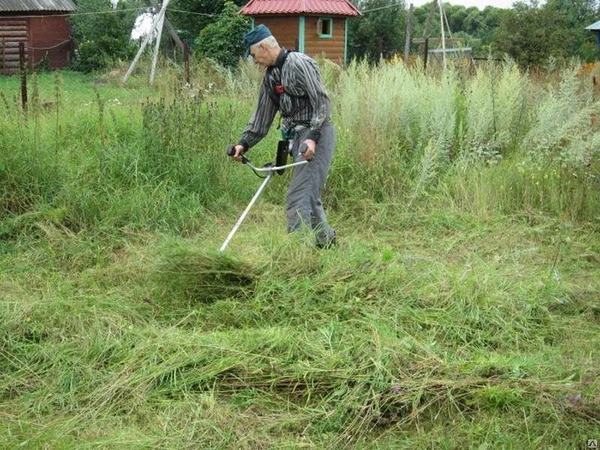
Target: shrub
[(223, 39), (89, 57), (102, 38)]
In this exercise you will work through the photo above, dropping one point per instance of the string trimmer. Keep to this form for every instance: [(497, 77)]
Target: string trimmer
[(266, 172)]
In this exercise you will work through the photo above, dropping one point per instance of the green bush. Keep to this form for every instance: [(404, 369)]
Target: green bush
[(90, 57), (102, 33), (223, 39)]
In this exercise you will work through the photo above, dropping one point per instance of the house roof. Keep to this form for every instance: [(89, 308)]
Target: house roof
[(594, 26), (331, 7), (36, 5)]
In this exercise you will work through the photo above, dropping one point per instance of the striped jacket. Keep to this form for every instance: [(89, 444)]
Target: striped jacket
[(303, 102)]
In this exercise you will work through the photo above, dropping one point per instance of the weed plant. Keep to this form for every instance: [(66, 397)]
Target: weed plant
[(459, 310)]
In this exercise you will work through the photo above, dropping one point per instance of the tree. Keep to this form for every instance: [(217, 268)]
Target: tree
[(531, 34), (579, 14), (193, 15), (380, 31), (222, 40), (102, 36), (456, 16), (473, 26)]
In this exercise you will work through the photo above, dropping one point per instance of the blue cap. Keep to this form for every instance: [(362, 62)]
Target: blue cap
[(255, 35)]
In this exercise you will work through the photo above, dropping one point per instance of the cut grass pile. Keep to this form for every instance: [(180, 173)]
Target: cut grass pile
[(426, 329)]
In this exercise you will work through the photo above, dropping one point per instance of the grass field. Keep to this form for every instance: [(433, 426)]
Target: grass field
[(461, 308)]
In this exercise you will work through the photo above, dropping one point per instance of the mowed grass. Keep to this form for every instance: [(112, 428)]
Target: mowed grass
[(461, 308), (429, 330)]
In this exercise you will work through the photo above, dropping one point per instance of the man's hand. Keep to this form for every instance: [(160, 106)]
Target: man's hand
[(310, 149), (239, 151)]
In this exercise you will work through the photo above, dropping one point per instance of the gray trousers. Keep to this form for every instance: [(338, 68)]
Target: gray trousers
[(304, 206)]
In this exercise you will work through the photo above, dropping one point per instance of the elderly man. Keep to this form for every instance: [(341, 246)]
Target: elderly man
[(292, 85)]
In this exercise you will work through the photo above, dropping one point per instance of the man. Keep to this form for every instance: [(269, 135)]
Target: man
[(292, 85)]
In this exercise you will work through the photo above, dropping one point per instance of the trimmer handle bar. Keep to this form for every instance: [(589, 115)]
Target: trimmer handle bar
[(269, 167)]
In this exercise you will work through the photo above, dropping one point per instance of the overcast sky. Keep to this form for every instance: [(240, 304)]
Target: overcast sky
[(468, 3)]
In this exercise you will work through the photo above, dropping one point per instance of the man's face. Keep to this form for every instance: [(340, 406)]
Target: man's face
[(260, 55)]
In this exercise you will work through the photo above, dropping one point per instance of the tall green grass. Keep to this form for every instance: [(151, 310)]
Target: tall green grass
[(405, 131), (459, 310), (400, 134)]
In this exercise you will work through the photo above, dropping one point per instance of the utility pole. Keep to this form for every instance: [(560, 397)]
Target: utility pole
[(426, 32), (170, 29), (155, 23), (186, 62), (407, 39), (156, 48), (23, 69), (443, 34), (429, 19)]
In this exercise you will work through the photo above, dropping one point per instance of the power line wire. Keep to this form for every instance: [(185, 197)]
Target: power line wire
[(75, 14), (191, 12), (382, 7), (115, 11)]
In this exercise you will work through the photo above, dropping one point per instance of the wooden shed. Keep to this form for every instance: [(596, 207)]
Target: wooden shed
[(313, 27), (43, 27), (595, 28)]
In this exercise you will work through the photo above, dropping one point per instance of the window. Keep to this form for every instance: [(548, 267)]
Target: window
[(325, 28)]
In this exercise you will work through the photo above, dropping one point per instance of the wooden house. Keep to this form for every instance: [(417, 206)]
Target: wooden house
[(42, 26), (313, 27), (595, 28)]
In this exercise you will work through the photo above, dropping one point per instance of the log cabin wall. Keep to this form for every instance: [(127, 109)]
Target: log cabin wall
[(332, 47), (44, 35), (13, 30), (285, 29)]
